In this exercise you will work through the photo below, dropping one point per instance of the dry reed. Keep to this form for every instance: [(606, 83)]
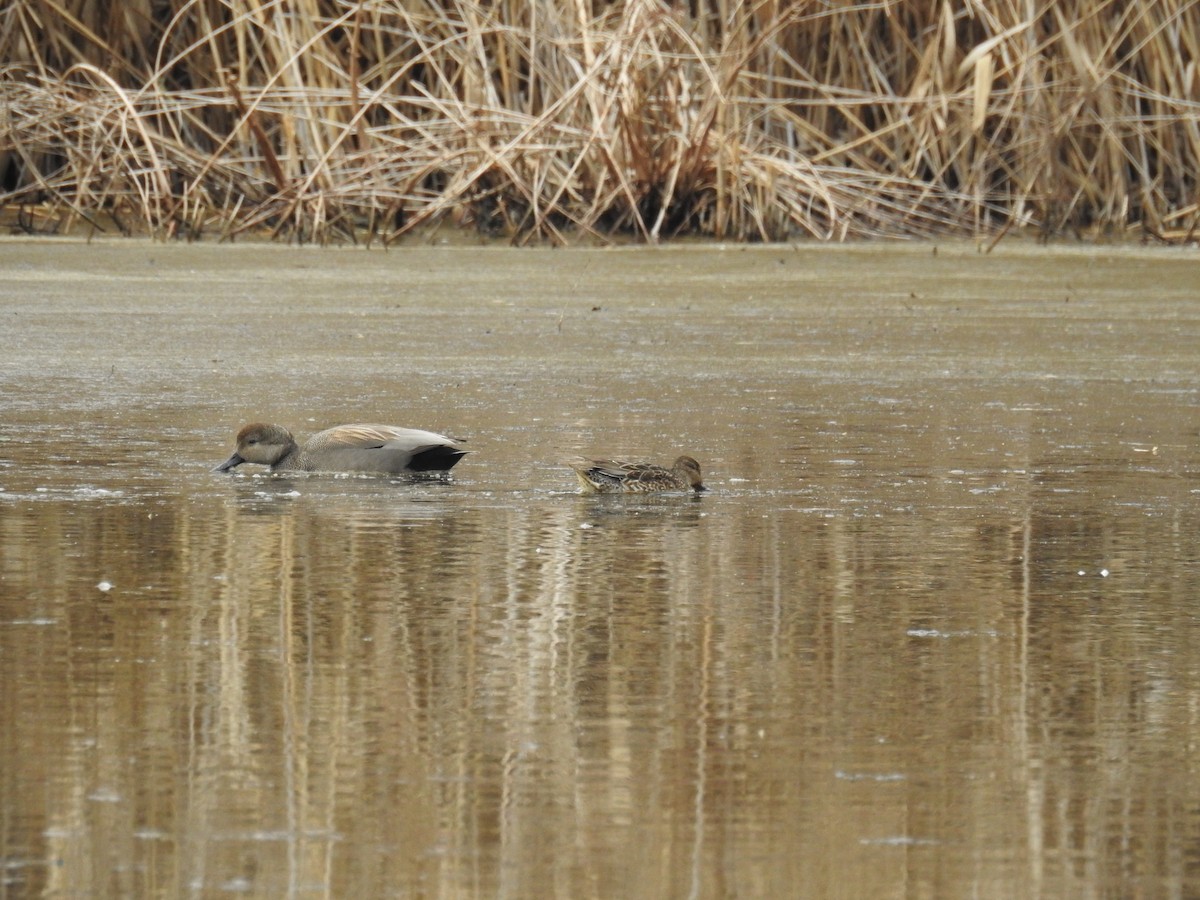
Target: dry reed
[(351, 120)]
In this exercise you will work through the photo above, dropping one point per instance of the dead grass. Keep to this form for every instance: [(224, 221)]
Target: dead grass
[(327, 121)]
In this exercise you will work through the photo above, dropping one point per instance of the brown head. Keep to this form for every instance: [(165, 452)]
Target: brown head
[(259, 443), (688, 470)]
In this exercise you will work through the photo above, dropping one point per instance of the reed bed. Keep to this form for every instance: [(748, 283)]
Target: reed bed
[(365, 120)]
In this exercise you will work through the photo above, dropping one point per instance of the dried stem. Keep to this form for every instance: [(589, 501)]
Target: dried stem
[(332, 120)]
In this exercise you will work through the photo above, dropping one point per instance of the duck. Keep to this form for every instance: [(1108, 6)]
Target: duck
[(380, 449), (607, 476)]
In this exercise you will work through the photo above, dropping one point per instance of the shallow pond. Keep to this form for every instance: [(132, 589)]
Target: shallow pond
[(933, 632)]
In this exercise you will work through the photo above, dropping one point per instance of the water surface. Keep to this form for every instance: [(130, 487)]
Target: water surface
[(932, 632)]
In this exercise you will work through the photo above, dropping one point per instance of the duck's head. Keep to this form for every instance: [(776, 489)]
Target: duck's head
[(260, 443)]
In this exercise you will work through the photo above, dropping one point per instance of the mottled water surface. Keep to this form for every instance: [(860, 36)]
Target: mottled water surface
[(934, 631)]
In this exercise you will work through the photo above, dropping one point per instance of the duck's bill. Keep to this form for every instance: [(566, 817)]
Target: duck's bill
[(231, 463)]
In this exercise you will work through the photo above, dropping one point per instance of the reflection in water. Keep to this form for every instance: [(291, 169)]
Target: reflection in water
[(289, 692), (916, 641)]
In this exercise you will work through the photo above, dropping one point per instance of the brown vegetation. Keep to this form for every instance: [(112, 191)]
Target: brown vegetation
[(333, 120)]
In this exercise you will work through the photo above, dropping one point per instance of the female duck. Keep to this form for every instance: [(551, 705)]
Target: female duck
[(606, 476)]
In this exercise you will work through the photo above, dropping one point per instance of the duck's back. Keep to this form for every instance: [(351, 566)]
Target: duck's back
[(387, 449)]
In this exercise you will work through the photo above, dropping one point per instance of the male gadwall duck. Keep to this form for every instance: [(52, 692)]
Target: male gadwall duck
[(382, 449), (606, 476)]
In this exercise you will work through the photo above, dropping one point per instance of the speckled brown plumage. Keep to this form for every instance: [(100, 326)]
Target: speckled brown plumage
[(606, 476)]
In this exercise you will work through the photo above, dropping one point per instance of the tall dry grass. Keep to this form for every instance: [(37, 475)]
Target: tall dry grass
[(362, 120)]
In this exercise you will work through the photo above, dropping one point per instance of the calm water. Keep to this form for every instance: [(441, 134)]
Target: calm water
[(935, 631)]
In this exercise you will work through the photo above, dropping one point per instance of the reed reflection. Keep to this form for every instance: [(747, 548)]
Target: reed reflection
[(360, 687)]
